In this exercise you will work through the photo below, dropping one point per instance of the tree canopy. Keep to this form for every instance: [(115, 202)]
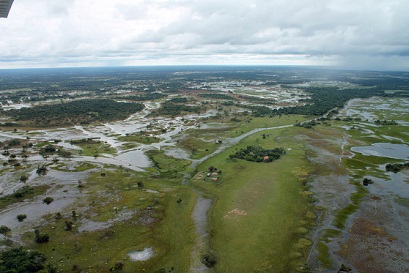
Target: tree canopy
[(17, 260), (75, 112), (258, 154)]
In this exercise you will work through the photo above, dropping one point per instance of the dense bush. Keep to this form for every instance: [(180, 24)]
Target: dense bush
[(76, 112), (48, 200), (21, 217), (17, 260), (41, 237), (4, 229), (170, 108), (323, 99), (258, 154), (396, 167), (20, 193)]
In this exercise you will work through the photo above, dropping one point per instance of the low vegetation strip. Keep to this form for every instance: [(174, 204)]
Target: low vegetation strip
[(21, 194)]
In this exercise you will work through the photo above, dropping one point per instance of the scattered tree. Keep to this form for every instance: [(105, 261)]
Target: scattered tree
[(24, 178), (48, 200), (41, 237), (396, 167), (210, 259), (344, 269), (21, 217), (4, 229), (68, 225), (367, 181), (58, 216), (42, 170), (211, 169), (117, 267)]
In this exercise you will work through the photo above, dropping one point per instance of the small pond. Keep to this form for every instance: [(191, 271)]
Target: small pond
[(135, 157)]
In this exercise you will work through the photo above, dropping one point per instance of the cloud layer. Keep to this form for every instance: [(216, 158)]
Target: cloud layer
[(370, 34)]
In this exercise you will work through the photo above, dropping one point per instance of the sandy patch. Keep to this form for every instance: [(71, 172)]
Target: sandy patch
[(236, 211)]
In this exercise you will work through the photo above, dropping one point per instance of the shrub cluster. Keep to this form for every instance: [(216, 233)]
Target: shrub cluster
[(396, 167), (258, 154)]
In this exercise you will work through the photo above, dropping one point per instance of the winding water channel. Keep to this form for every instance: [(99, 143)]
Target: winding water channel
[(134, 159)]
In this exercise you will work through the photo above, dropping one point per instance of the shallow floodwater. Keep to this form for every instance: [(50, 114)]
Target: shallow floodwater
[(143, 255), (135, 157), (33, 210), (398, 151), (394, 185)]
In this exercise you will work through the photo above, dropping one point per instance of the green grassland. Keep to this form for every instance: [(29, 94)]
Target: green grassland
[(197, 147), (260, 215), (201, 142), (139, 138), (96, 148), (168, 167)]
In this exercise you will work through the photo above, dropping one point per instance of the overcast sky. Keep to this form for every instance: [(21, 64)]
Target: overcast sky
[(369, 34)]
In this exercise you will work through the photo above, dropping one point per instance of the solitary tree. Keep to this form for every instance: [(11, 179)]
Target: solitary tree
[(4, 229), (21, 217), (48, 200), (41, 237), (24, 178)]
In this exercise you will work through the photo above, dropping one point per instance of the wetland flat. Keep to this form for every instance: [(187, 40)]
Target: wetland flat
[(163, 190)]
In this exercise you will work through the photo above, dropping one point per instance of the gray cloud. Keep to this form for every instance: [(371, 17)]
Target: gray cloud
[(128, 32)]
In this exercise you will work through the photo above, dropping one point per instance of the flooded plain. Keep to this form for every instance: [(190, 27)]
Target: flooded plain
[(375, 234), (378, 228), (390, 150)]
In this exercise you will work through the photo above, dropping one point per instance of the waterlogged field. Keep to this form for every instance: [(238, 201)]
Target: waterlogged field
[(115, 217), (368, 219), (163, 190)]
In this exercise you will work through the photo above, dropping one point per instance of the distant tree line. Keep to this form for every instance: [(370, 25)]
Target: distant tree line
[(145, 97), (179, 100), (170, 108), (75, 112), (322, 100), (216, 96)]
